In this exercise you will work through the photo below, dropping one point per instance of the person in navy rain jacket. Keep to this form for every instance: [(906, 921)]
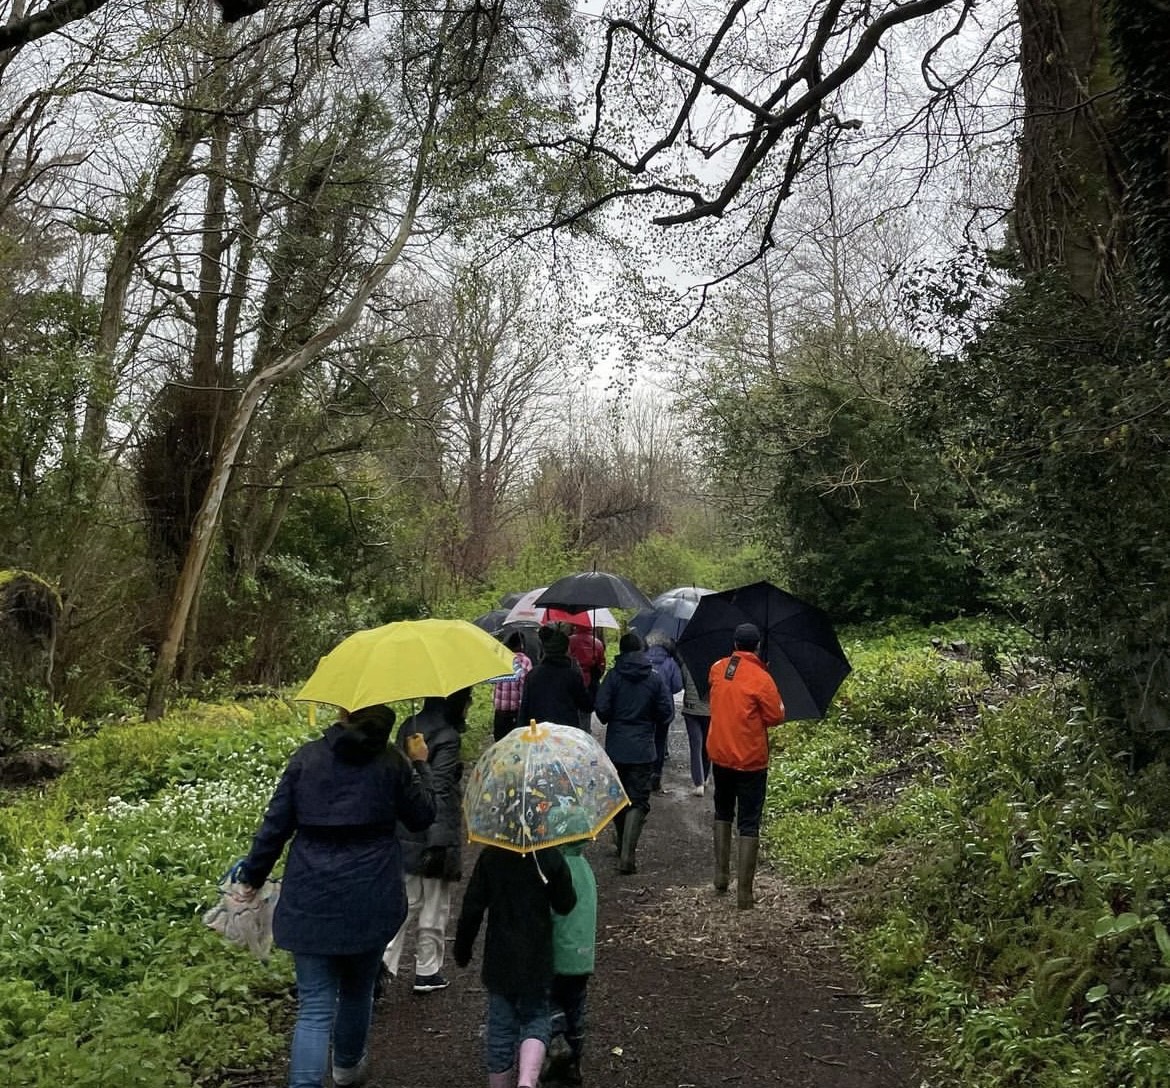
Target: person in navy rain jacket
[(633, 703), (340, 800)]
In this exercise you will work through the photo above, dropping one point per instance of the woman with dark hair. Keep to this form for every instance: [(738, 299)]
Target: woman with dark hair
[(340, 800)]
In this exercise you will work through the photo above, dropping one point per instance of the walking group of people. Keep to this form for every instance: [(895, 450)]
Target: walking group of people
[(374, 830)]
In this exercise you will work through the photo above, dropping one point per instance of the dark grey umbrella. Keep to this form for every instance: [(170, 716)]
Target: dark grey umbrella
[(529, 633), (593, 589), (797, 644), (491, 621)]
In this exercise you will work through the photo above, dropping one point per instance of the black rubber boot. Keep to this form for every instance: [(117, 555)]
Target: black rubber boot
[(619, 821), (722, 856), (627, 863)]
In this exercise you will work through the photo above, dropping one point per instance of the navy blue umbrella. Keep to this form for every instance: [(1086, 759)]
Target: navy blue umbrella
[(797, 644)]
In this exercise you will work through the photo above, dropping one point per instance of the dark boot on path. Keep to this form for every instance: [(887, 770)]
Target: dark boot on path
[(722, 856), (749, 852), (627, 863)]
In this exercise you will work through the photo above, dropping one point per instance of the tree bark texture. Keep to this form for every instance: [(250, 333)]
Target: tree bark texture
[(1141, 40), (207, 521), (1068, 205)]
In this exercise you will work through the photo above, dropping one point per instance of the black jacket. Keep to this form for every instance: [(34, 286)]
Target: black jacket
[(633, 700), (517, 950), (554, 692), (442, 840)]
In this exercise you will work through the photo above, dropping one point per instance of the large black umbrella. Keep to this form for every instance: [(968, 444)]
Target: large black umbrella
[(593, 589), (797, 643), (491, 621)]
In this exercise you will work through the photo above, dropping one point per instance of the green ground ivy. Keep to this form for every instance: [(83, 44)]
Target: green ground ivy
[(108, 975)]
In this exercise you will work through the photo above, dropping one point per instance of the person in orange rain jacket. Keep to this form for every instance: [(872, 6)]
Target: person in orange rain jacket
[(745, 703)]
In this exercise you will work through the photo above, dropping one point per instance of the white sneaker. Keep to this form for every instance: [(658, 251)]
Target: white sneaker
[(698, 790)]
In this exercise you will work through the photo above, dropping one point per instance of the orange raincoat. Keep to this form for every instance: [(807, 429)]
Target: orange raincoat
[(745, 702)]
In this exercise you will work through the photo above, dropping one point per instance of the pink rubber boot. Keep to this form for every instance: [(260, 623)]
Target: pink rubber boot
[(531, 1059), (502, 1080)]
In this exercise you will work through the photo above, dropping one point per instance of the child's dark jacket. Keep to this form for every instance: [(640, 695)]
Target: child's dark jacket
[(517, 952)]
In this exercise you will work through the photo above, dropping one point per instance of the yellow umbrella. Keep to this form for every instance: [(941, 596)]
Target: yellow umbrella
[(410, 659)]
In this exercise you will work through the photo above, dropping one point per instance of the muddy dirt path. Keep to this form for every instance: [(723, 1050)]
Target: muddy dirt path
[(689, 991)]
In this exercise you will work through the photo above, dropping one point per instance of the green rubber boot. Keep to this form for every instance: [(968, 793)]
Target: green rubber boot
[(749, 852), (722, 856)]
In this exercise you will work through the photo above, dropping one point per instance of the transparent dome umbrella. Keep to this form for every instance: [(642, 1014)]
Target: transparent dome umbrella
[(523, 788)]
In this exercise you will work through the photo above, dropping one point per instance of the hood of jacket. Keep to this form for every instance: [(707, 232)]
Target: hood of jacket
[(657, 653), (358, 743), (634, 665)]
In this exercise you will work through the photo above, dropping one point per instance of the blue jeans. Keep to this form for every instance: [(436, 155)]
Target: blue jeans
[(511, 1020), (335, 999), (740, 794)]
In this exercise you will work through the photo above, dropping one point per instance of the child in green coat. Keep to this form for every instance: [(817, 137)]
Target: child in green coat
[(574, 944)]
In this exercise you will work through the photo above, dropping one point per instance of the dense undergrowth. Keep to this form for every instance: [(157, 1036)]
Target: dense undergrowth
[(1007, 873), (107, 976)]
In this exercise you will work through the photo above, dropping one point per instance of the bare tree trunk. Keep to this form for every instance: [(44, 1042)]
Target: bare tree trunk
[(207, 521)]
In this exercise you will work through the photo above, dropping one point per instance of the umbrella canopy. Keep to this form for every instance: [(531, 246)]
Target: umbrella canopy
[(492, 621), (669, 618), (525, 610), (407, 660), (797, 643), (685, 593), (593, 589), (529, 634), (521, 787), (509, 599)]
